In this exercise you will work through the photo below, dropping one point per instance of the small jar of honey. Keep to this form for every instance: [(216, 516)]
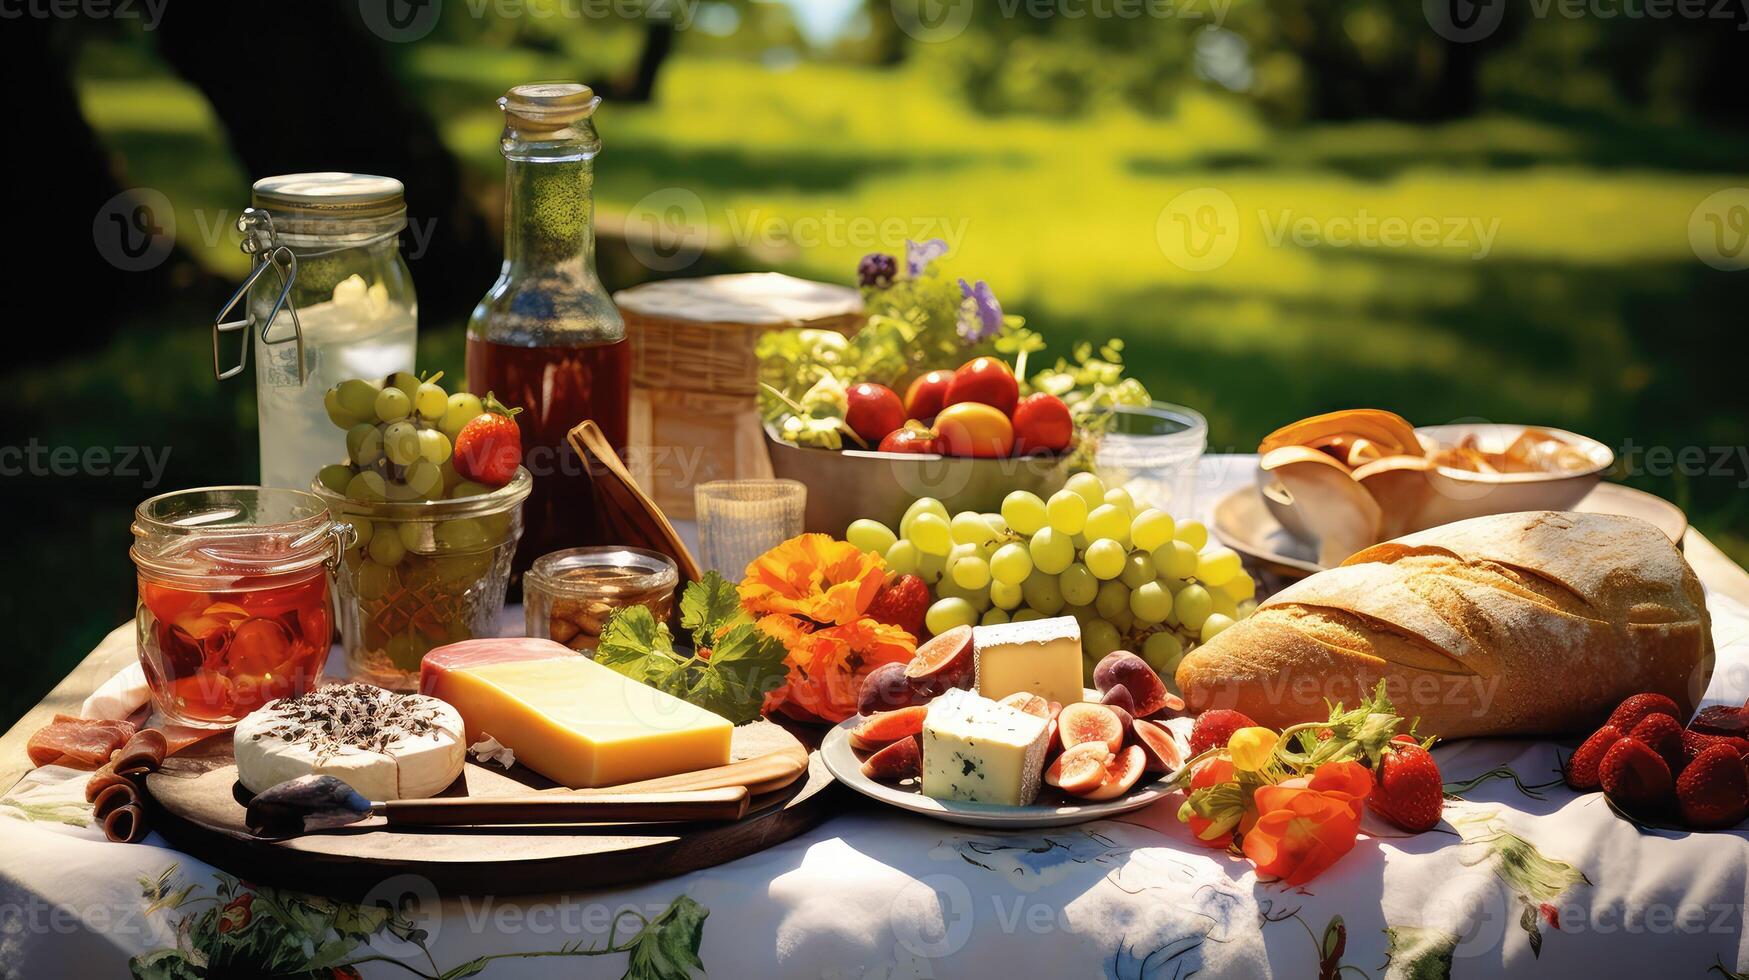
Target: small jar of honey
[(569, 595)]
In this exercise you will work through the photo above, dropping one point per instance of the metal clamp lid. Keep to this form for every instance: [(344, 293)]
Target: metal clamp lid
[(259, 241)]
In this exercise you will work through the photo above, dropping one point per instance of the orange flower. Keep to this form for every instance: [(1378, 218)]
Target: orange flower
[(1216, 830), (813, 576), (828, 665), (1304, 825)]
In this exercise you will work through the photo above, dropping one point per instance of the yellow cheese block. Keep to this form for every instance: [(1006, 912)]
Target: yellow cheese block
[(579, 723)]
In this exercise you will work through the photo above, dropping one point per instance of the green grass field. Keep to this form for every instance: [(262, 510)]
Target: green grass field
[(1562, 288)]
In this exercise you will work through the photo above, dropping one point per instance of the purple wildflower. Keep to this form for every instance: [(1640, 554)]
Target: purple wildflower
[(918, 255), (981, 317), (876, 270)]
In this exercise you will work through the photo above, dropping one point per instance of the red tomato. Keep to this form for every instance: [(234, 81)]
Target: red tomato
[(874, 411), (913, 438), (1042, 424), (984, 380), (923, 400), (974, 429)]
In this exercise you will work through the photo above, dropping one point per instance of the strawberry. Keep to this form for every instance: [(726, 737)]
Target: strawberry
[(1630, 712), (1214, 727), (1722, 719), (1409, 791), (489, 449), (1581, 769), (1694, 743), (901, 603), (1664, 735), (1714, 790), (1635, 777)]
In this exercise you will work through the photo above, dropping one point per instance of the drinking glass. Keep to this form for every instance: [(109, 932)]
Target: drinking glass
[(1152, 451), (739, 520)]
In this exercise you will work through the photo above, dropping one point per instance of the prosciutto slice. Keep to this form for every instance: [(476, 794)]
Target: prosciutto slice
[(77, 743)]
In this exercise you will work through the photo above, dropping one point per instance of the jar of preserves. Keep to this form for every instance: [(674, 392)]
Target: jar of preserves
[(328, 298), (568, 595)]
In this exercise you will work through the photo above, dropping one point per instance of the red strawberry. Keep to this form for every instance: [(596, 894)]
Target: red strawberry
[(902, 604), (1214, 726), (489, 449), (1409, 791), (1714, 790), (1630, 712), (1636, 778), (1664, 735), (1722, 719), (1694, 743), (1581, 770)]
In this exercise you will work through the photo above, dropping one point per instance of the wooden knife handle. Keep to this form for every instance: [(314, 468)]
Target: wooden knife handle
[(727, 803), (760, 774)]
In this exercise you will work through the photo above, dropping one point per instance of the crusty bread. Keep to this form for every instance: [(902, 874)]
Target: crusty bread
[(1530, 623)]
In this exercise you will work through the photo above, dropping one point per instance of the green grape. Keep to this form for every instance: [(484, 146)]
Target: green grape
[(902, 557), (430, 402), (1011, 563), (1212, 626), (358, 399), (1088, 487), (1173, 585), (364, 444), (1066, 511), (1041, 593), (1192, 533), (949, 589), (1005, 595), (1246, 608), (930, 533), (866, 535), (1223, 604), (405, 380), (335, 476), (1137, 569), (945, 614), (1026, 616), (387, 549), (362, 530), (413, 535), (1113, 598), (1240, 587), (424, 479), (1193, 606), (969, 527), (1099, 638), (1080, 541), (922, 505), (971, 573), (1051, 551), (1150, 603), (930, 568), (373, 580), (1106, 521), (1217, 566), (1023, 511), (337, 412), (1175, 559), (401, 443), (993, 617), (461, 409), (1162, 650), (1151, 528), (1120, 498), (468, 488), (1124, 620), (393, 405), (997, 524), (1105, 558), (462, 535), (434, 446), (1078, 585), (1083, 614), (368, 485)]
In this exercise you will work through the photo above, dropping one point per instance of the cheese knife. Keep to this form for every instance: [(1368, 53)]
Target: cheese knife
[(759, 774)]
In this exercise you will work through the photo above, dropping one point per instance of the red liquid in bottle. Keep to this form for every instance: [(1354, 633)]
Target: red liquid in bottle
[(556, 388)]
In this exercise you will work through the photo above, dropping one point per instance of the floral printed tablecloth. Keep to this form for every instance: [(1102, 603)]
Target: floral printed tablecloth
[(1523, 877)]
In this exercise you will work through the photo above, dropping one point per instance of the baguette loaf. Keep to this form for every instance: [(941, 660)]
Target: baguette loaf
[(1529, 623)]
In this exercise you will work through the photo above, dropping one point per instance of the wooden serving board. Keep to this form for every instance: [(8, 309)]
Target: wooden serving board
[(198, 806)]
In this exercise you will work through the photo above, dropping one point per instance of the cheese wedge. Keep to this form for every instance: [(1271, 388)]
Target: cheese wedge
[(1041, 656), (982, 752), (386, 746), (568, 718)]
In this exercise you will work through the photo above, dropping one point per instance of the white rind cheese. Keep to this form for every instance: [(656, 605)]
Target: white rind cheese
[(387, 746), (1041, 656), (979, 751)]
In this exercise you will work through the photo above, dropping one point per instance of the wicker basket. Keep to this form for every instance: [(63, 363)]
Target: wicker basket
[(695, 381)]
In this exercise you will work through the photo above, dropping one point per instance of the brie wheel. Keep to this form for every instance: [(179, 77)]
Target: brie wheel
[(400, 761)]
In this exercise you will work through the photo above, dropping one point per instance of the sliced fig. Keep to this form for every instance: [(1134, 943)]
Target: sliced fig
[(944, 662), (1159, 749), (1089, 722), (1028, 702), (901, 760), (1080, 769), (1122, 771), (882, 729), (1121, 668)]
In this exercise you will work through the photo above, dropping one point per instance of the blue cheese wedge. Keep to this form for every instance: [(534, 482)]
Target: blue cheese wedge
[(1042, 657), (979, 751)]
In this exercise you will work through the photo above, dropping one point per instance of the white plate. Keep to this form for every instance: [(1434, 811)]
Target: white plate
[(1054, 808)]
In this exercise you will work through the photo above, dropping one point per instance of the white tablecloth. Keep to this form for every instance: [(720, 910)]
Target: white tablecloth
[(1536, 881)]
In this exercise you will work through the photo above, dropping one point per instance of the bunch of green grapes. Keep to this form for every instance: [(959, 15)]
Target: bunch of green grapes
[(1134, 578), (400, 433)]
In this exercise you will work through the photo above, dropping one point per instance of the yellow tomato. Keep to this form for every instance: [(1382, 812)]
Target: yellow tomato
[(974, 429), (1251, 747)]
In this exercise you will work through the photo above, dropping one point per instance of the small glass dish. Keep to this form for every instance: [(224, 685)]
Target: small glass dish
[(739, 520), (1152, 451), (568, 595)]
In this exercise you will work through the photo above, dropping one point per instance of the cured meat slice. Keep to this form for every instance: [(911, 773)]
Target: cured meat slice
[(78, 743)]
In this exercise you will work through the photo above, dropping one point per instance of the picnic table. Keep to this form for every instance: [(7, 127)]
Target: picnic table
[(1524, 877)]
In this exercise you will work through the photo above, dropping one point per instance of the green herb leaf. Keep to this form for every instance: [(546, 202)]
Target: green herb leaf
[(744, 665), (707, 606), (637, 646), (667, 948)]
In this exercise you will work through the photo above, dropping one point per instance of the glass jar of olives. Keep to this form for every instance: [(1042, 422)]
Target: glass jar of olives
[(421, 574)]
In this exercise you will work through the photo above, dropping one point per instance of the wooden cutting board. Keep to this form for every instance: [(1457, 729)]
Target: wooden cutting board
[(198, 806)]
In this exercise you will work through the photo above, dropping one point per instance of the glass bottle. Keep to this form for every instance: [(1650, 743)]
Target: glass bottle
[(337, 301), (547, 337)]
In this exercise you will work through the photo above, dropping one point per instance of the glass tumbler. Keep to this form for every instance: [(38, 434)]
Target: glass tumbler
[(739, 520), (1152, 451)]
